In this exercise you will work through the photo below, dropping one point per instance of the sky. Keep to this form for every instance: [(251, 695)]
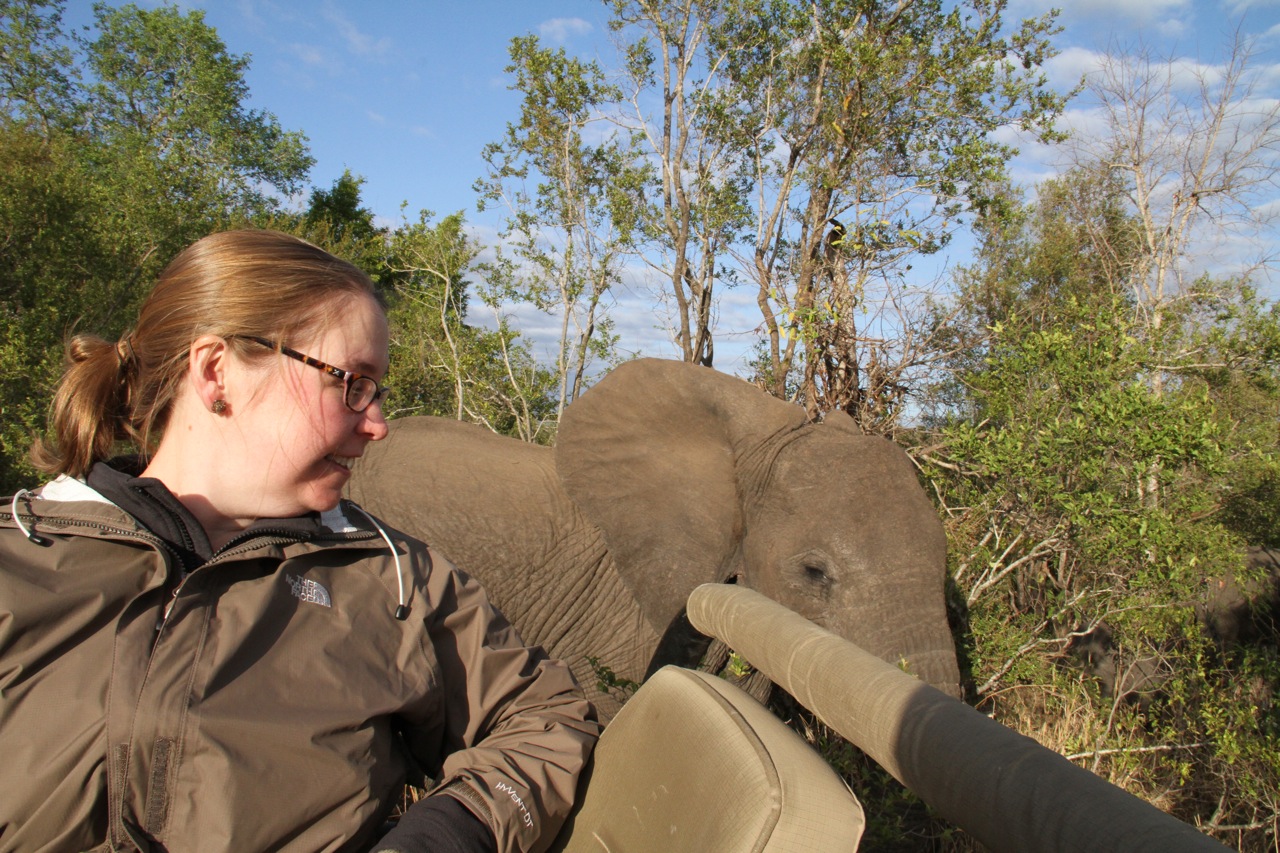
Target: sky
[(406, 94)]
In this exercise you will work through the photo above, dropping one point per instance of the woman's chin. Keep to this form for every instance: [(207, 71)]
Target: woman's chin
[(325, 495)]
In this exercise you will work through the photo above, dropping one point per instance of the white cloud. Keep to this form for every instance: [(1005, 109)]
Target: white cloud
[(1237, 8), (359, 43), (376, 118), (1189, 75), (1269, 76), (1106, 13), (307, 54), (1067, 68), (561, 30), (1172, 28)]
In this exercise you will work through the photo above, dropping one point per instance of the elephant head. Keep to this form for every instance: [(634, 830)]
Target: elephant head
[(694, 476)]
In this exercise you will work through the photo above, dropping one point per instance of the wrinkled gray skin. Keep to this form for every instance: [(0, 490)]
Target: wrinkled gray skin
[(1235, 613), (666, 476), (1231, 612), (1137, 680)]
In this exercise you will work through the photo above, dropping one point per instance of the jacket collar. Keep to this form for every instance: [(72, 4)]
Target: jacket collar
[(64, 489)]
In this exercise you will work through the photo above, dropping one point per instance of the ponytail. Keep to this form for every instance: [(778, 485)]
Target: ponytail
[(90, 412)]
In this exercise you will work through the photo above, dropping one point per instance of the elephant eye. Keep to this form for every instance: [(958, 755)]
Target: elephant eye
[(812, 571), (816, 574)]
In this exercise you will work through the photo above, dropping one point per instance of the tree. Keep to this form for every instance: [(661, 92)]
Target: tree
[(336, 220), (440, 363), (816, 149), (166, 87), (166, 135), (1042, 464), (119, 151), (1190, 145), (702, 197), (341, 209), (869, 132), (36, 71), (58, 272), (572, 227)]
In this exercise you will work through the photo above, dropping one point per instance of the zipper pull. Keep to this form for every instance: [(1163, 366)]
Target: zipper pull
[(168, 607)]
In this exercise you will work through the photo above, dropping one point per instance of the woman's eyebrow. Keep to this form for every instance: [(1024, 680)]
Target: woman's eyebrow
[(368, 368)]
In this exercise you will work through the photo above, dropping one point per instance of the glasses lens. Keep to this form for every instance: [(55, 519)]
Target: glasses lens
[(360, 393)]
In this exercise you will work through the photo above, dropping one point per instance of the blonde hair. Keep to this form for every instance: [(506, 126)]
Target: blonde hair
[(249, 282)]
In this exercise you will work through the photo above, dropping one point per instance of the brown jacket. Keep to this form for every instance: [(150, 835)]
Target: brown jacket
[(278, 705)]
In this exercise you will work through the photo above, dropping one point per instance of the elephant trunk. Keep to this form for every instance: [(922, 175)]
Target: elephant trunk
[(936, 667), (921, 645)]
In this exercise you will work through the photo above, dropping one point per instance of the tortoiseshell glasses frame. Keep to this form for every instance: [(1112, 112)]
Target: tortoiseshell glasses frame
[(359, 391)]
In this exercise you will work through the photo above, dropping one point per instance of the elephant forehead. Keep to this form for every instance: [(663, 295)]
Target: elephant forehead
[(845, 493), (842, 469)]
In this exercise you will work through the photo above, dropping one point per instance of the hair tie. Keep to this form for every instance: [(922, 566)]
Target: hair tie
[(125, 356)]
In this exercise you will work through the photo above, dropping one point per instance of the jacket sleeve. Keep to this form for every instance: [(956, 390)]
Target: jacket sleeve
[(517, 729)]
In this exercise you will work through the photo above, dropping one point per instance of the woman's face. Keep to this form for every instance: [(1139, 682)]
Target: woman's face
[(296, 439)]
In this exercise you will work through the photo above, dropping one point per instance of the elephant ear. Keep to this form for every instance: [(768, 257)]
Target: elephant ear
[(653, 455)]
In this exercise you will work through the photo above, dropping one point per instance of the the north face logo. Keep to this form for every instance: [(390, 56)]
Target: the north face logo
[(305, 589)]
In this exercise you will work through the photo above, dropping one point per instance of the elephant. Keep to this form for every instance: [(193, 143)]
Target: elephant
[(1136, 679), (665, 476), (1232, 611), (1237, 612)]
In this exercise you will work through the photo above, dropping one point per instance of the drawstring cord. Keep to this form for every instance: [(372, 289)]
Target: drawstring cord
[(30, 534), (402, 611)]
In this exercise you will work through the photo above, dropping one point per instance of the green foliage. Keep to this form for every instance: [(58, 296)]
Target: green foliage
[(63, 271), (117, 151), (1251, 508), (36, 74), (166, 89), (570, 230), (608, 681), (336, 221), (339, 210), (1094, 472), (738, 666)]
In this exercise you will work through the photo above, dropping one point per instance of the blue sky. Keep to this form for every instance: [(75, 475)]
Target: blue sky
[(406, 94)]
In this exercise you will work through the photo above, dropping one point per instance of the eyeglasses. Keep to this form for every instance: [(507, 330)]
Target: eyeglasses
[(359, 391)]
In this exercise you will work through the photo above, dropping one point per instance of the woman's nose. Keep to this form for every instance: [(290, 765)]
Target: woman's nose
[(374, 423)]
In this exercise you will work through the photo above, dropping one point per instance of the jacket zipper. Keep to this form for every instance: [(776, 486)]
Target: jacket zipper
[(72, 525), (280, 536)]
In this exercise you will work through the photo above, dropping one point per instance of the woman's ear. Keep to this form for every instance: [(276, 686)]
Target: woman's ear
[(207, 364)]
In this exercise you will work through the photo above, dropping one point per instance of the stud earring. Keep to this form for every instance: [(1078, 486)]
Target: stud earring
[(219, 407)]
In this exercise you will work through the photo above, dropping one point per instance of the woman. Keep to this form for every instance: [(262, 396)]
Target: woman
[(204, 648)]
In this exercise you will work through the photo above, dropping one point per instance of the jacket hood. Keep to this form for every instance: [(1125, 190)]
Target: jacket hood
[(64, 489)]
